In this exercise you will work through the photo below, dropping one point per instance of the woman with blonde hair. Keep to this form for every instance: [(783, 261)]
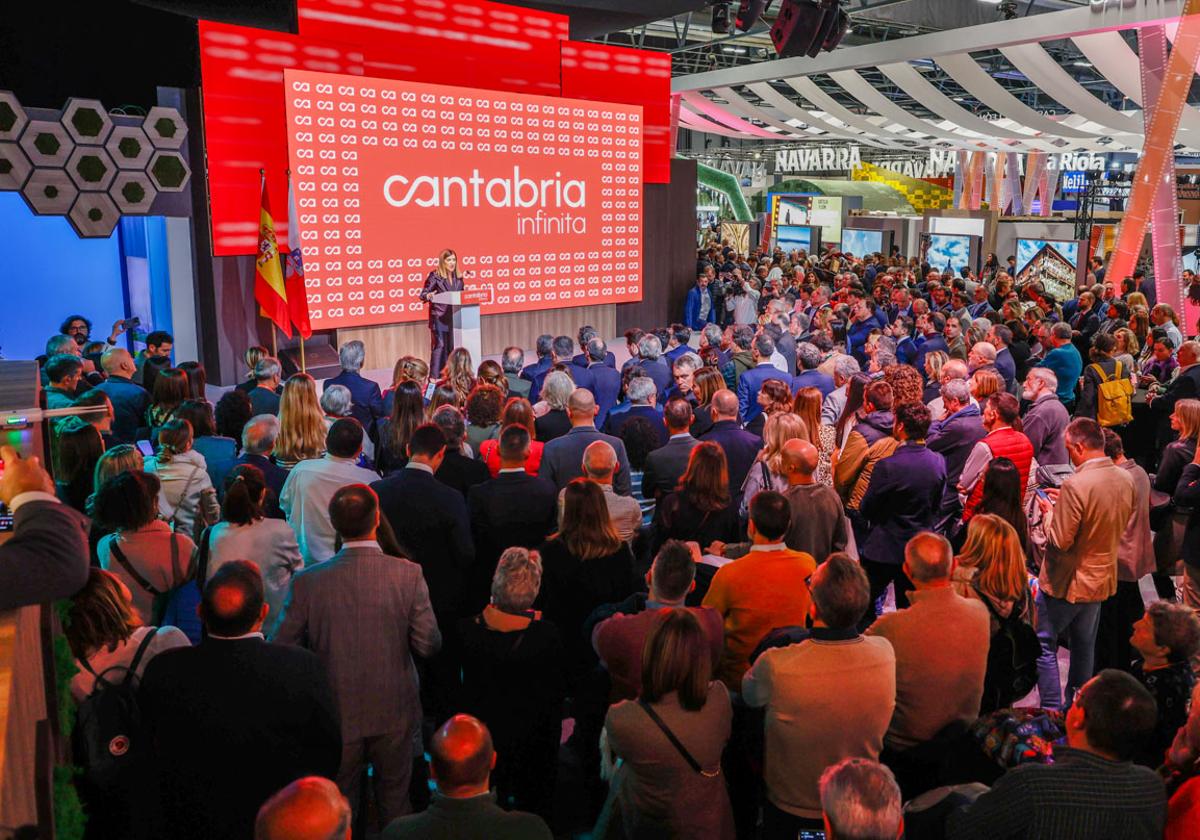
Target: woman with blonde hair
[(301, 422), (991, 568), (491, 373), (1185, 419), (1127, 349), (767, 473), (444, 278), (807, 407), (459, 374), (934, 362)]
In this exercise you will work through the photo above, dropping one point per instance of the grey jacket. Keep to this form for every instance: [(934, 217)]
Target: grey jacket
[(365, 614), (1044, 424)]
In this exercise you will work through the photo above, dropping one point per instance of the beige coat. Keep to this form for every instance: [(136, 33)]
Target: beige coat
[(1090, 517)]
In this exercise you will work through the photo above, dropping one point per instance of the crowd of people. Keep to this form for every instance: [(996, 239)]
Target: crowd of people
[(855, 548)]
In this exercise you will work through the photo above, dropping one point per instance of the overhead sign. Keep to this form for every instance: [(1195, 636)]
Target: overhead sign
[(1074, 182), (938, 163)]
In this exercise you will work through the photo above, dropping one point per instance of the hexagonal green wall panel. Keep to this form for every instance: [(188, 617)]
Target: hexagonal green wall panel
[(169, 171), (87, 121), (13, 118), (133, 193), (47, 143), (49, 192), (91, 169), (94, 215), (165, 127), (129, 147), (14, 167)]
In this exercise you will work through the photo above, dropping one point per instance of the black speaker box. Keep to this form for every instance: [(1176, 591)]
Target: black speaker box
[(798, 27)]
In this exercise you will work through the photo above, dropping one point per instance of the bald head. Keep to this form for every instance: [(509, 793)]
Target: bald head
[(928, 558), (800, 459), (118, 361), (725, 405), (600, 461), (581, 405), (232, 603), (308, 809), (461, 756), (955, 369)]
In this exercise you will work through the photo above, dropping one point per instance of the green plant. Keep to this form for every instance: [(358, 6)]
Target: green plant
[(129, 147), (91, 169), (69, 817), (47, 143), (134, 192), (50, 191), (8, 117), (87, 122), (165, 126)]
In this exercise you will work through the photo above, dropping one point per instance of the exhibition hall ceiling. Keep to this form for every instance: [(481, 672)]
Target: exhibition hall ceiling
[(1062, 75)]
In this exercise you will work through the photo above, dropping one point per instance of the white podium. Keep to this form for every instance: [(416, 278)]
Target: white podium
[(464, 313)]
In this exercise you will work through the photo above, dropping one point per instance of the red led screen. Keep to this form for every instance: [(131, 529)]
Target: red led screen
[(540, 196)]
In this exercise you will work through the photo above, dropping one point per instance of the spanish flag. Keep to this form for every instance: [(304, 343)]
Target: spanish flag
[(293, 269), (269, 289)]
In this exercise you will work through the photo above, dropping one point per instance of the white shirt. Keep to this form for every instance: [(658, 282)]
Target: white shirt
[(744, 307), (305, 499), (769, 547), (780, 363)]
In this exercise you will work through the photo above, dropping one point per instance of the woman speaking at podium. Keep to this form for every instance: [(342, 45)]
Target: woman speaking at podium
[(444, 278)]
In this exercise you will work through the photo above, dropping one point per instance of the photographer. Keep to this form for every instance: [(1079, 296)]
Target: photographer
[(741, 299)]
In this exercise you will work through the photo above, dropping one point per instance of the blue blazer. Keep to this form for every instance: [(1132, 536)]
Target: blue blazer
[(741, 448), (652, 414), (1006, 365), (605, 387), (903, 498), (932, 343), (750, 383), (367, 401), (581, 360), (813, 379), (691, 309), (130, 402), (659, 371)]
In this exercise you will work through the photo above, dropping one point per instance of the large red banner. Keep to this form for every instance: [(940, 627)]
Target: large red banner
[(540, 196)]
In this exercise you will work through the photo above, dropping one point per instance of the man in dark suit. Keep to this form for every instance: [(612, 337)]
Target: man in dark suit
[(930, 326), (562, 349), (512, 361), (457, 470), (562, 458), (513, 509), (369, 651), (1185, 386), (653, 364), (605, 383), (268, 373), (586, 334), (902, 499), (953, 436), (808, 359), (46, 558), (785, 344), (681, 335), (461, 762), (666, 464), (643, 397), (741, 447), (429, 519), (234, 719), (366, 402), (129, 399), (258, 442), (750, 382), (545, 358)]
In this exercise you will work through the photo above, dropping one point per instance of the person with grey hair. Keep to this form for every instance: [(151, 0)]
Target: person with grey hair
[(713, 336), (337, 402), (459, 468), (365, 397), (834, 403), (750, 382), (599, 465), (1046, 418), (1064, 360), (952, 369), (582, 359), (514, 680), (684, 371), (652, 363), (860, 800), (808, 359), (554, 422), (642, 394), (829, 694), (268, 373), (512, 362), (953, 435)]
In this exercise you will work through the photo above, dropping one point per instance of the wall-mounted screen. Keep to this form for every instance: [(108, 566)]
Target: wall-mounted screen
[(798, 238), (956, 224), (793, 210), (948, 253), (827, 215), (1054, 262), (861, 242)]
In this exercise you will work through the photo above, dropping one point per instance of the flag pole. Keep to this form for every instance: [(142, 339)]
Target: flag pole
[(302, 367), (274, 346)]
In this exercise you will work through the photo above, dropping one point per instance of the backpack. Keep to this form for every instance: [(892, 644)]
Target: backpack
[(1012, 658), (1114, 398), (107, 740)]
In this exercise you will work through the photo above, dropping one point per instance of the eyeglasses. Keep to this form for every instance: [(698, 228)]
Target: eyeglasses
[(808, 582)]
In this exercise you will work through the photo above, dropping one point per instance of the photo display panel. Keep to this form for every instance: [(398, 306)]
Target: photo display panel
[(541, 197)]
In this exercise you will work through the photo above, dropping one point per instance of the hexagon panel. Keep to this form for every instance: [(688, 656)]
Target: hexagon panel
[(49, 192), (12, 116), (14, 167), (169, 171), (94, 215), (129, 147), (133, 193), (91, 169), (47, 143), (86, 121), (166, 127)]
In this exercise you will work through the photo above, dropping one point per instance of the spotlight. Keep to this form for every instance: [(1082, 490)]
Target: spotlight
[(720, 17)]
